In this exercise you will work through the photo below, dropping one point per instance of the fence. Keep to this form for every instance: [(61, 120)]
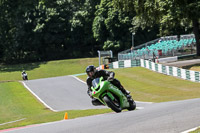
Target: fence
[(168, 70), (161, 47)]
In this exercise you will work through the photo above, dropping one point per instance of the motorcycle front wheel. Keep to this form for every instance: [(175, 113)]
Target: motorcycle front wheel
[(114, 105), (132, 105)]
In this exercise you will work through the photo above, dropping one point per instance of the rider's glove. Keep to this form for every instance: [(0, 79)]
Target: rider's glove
[(110, 78)]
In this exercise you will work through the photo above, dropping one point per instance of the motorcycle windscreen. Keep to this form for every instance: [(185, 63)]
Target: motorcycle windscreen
[(95, 82)]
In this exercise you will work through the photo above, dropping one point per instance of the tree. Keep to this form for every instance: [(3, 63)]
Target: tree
[(111, 27), (82, 38), (52, 29), (12, 28), (46, 29), (167, 14)]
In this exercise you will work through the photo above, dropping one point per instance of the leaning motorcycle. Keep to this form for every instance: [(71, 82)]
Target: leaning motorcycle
[(110, 95)]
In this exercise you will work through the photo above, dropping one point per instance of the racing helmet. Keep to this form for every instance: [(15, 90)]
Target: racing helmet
[(90, 68)]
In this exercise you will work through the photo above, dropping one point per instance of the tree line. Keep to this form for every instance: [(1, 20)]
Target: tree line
[(59, 29)]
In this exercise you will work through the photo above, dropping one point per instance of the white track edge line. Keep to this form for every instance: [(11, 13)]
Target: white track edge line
[(78, 79), (39, 98), (190, 130), (139, 108), (12, 121), (144, 102)]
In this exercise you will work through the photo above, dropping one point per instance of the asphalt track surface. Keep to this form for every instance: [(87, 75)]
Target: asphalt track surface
[(61, 93), (67, 93), (169, 117), (183, 63), (64, 93)]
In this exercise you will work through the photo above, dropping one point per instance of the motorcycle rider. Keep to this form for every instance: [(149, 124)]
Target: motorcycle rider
[(107, 75), (24, 75)]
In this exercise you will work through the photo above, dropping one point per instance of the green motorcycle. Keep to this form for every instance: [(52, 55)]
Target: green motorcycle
[(110, 95)]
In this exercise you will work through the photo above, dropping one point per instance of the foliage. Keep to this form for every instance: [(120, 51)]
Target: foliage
[(58, 29), (175, 16), (111, 27), (46, 30)]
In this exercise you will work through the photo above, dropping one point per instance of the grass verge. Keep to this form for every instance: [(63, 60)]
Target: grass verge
[(196, 131), (146, 85), (16, 103), (195, 67), (46, 69)]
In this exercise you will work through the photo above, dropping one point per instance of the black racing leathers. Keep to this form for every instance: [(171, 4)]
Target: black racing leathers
[(105, 74)]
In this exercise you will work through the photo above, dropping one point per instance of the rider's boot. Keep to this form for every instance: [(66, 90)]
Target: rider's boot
[(126, 93)]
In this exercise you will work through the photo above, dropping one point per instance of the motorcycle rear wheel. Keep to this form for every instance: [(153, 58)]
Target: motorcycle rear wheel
[(112, 105)]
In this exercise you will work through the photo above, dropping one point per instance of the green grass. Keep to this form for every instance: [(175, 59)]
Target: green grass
[(16, 103), (146, 85), (195, 67), (196, 131), (46, 69)]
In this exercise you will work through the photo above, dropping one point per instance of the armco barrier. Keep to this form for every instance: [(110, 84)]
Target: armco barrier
[(167, 60), (168, 70)]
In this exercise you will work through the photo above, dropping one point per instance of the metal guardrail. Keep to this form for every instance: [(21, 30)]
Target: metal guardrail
[(186, 45)]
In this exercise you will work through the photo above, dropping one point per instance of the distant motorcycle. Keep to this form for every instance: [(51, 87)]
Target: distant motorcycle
[(110, 95), (24, 76)]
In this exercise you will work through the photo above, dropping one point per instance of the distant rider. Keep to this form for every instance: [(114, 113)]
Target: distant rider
[(24, 75), (107, 75)]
